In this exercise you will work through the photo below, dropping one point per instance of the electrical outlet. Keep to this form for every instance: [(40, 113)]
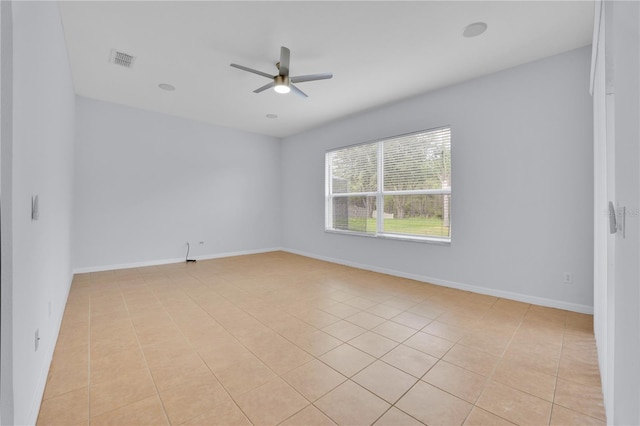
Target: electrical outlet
[(567, 278), (37, 341)]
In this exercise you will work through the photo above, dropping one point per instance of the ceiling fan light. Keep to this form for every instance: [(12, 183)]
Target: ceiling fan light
[(282, 88), (282, 84)]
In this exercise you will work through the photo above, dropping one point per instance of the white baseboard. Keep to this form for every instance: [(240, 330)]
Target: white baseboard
[(551, 303), (86, 269)]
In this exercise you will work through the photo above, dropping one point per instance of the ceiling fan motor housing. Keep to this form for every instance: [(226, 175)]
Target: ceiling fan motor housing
[(281, 84)]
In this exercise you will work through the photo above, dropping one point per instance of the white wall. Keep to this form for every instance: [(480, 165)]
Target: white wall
[(42, 164), (6, 267), (604, 242), (522, 179), (625, 66), (146, 183)]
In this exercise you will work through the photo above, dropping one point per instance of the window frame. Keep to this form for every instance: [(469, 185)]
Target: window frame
[(380, 193)]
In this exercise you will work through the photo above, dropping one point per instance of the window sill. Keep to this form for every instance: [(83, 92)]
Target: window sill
[(410, 238)]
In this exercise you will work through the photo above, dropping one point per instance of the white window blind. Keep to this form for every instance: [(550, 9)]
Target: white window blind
[(414, 199)]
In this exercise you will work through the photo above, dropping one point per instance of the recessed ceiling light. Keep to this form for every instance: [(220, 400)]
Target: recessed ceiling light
[(272, 116), (475, 29), (168, 87)]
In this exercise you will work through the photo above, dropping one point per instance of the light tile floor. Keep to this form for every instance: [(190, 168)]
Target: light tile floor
[(277, 338)]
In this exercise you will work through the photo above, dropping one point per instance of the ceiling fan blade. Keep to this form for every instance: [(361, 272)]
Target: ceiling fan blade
[(242, 67), (265, 87), (298, 91), (311, 77), (285, 53)]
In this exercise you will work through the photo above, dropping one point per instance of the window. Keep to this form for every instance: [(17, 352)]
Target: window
[(407, 178)]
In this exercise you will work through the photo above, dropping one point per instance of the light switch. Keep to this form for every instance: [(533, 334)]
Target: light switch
[(35, 211)]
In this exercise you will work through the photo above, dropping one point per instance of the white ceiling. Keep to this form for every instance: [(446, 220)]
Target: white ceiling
[(378, 51)]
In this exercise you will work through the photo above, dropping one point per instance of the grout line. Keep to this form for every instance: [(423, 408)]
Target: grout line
[(146, 363)]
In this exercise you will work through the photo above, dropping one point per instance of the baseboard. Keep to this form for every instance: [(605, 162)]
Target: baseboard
[(50, 348), (87, 269), (535, 300)]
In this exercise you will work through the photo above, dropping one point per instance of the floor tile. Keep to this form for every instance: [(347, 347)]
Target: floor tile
[(148, 411), (410, 360), (314, 379), (540, 357), (394, 331), (387, 382), (282, 356), (347, 360), (242, 374), (373, 344), (180, 371), (318, 318), (412, 320), (341, 310), (525, 379), (433, 406), (116, 364), (309, 416), (400, 303), (105, 345), (446, 331), (360, 302), (561, 416), (427, 310), (350, 404), (395, 417), (579, 370), (271, 403), (494, 344), (344, 330), (472, 359), (456, 380), (64, 380), (432, 345), (225, 355), (514, 405), (384, 311), (581, 398), (125, 390), (317, 342), (71, 408), (479, 417), (188, 401), (341, 296), (577, 323), (365, 320), (164, 352), (225, 414)]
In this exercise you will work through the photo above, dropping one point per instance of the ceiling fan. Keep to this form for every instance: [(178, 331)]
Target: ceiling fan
[(282, 83)]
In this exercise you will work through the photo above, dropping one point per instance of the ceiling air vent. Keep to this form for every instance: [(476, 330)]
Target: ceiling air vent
[(122, 59)]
